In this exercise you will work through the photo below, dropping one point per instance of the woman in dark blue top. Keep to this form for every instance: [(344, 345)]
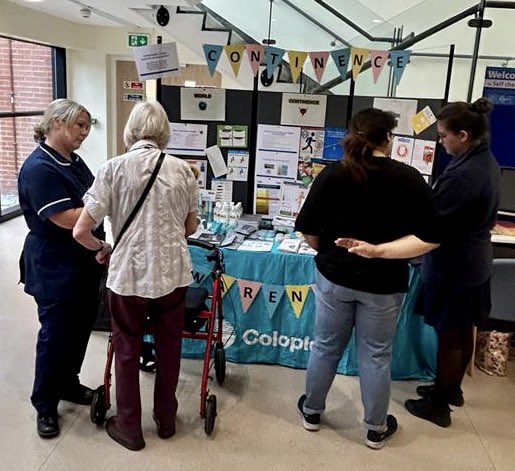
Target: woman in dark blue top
[(61, 274), (456, 274)]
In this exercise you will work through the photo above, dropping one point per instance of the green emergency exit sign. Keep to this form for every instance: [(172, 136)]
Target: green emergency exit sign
[(137, 40)]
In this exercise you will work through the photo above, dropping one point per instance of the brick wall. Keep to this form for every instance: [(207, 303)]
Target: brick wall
[(25, 85)]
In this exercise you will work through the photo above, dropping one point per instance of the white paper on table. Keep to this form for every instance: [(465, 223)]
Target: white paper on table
[(403, 110), (423, 156), (201, 166), (156, 61), (303, 110), (187, 139), (216, 160), (402, 149), (202, 104), (256, 245), (222, 189), (267, 196)]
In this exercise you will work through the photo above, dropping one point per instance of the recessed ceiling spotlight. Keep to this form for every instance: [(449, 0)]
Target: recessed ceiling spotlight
[(377, 21)]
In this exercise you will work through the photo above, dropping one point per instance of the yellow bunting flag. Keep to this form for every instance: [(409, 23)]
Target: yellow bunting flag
[(358, 58), (235, 55), (248, 292), (227, 282), (297, 294), (297, 59)]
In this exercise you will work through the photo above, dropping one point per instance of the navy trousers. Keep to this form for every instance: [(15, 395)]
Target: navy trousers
[(61, 346)]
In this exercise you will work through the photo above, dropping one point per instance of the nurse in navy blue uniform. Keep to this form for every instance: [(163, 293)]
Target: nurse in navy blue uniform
[(61, 275)]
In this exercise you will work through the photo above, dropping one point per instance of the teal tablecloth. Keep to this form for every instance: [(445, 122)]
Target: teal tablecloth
[(283, 338)]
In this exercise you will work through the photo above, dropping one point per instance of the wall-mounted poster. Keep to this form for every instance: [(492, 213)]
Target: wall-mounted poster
[(237, 165), (402, 149), (311, 143), (202, 104), (232, 135), (187, 139), (303, 110), (333, 149), (267, 196), (293, 195), (403, 110), (201, 166), (156, 61), (423, 156)]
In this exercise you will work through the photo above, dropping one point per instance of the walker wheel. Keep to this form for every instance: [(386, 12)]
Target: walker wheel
[(98, 406), (209, 419), (220, 364)]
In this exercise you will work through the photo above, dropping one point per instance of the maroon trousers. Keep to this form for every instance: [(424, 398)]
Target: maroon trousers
[(129, 323)]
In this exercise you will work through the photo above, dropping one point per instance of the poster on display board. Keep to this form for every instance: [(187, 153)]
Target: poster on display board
[(293, 195), (499, 85), (402, 149), (202, 104), (300, 109), (423, 156), (201, 166), (403, 110), (232, 135), (311, 143), (156, 61), (187, 139), (267, 196), (333, 149), (237, 165)]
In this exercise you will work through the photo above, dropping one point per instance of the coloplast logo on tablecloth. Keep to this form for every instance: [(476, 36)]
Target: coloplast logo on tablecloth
[(253, 337)]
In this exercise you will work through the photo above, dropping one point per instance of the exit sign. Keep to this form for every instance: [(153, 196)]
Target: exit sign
[(137, 40)]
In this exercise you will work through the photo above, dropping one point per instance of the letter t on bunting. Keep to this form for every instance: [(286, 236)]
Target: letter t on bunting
[(273, 57), (248, 292)]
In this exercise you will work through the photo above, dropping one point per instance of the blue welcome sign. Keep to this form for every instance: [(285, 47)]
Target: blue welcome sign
[(499, 86)]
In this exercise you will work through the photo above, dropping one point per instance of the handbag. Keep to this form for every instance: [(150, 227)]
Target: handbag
[(103, 321)]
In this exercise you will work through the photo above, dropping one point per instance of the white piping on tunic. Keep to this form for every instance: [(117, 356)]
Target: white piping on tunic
[(53, 158), (52, 203)]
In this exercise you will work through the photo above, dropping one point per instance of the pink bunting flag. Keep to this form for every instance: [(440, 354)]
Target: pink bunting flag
[(378, 60), (248, 292), (255, 53), (319, 63)]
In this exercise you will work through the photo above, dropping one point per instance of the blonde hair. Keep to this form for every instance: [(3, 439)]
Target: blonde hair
[(62, 109), (148, 120)]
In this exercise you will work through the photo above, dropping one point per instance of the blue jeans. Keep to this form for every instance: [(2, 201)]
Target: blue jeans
[(374, 316)]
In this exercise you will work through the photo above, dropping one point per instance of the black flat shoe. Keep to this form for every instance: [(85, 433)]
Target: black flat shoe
[(80, 394), (437, 412), (164, 431), (454, 399), (114, 433), (47, 425)]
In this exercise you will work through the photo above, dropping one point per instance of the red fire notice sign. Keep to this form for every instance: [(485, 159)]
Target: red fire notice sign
[(130, 85)]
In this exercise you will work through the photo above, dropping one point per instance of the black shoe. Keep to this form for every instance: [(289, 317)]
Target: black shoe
[(47, 425), (164, 431), (377, 440), (455, 399), (429, 409), (80, 394), (310, 422), (114, 433)]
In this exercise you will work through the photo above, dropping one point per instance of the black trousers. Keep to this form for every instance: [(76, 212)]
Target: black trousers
[(61, 346)]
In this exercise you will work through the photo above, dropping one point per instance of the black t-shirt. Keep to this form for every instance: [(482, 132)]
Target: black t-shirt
[(392, 202)]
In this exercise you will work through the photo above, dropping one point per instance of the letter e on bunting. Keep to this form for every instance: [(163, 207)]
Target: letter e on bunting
[(297, 295), (273, 295), (248, 292)]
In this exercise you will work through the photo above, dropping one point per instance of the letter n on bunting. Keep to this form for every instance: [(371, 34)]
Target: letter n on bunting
[(297, 294)]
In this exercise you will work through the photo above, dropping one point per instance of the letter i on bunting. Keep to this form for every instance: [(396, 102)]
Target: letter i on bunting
[(227, 282), (296, 59), (297, 295), (358, 58), (212, 53), (273, 295), (248, 292), (319, 63), (235, 55)]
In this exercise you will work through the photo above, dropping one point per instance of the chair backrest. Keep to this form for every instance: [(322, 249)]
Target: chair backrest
[(503, 289)]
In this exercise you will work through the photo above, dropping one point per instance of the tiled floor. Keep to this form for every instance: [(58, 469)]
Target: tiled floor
[(257, 426)]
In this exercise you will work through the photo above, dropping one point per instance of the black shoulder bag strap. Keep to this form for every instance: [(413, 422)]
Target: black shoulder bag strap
[(141, 200)]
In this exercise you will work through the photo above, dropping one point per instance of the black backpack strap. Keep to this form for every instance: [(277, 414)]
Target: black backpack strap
[(141, 200)]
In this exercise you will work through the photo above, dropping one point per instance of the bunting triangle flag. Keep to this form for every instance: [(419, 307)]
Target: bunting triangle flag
[(319, 63), (212, 53), (248, 292), (200, 277), (341, 59), (358, 59), (297, 295), (227, 282), (399, 60), (296, 59), (255, 54), (235, 55), (273, 295), (378, 60), (273, 57)]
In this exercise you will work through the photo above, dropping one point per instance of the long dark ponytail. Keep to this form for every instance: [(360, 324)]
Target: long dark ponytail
[(369, 130)]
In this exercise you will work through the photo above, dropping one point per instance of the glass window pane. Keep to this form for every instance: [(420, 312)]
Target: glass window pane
[(25, 76), (16, 144)]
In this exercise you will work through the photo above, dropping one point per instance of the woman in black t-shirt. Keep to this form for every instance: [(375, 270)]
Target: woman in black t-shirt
[(456, 274), (371, 197)]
